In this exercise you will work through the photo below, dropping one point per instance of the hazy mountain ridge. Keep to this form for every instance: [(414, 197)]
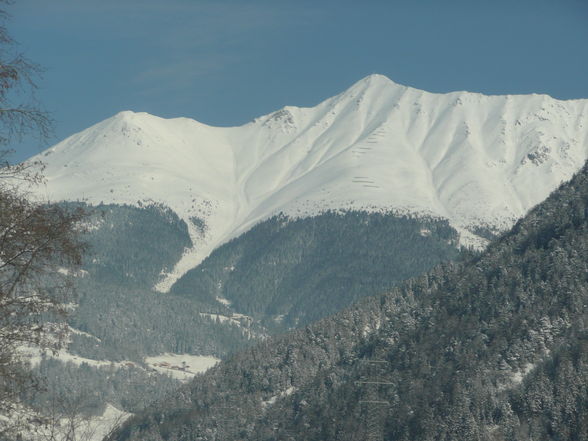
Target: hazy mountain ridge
[(121, 328), (494, 348), (286, 273), (379, 146)]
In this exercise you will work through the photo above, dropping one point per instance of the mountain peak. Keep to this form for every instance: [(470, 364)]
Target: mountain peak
[(132, 117), (377, 146), (125, 114), (375, 91), (376, 78), (375, 81)]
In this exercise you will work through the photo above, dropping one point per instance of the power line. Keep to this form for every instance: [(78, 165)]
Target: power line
[(374, 407)]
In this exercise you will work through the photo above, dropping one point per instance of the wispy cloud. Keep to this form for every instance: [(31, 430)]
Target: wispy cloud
[(179, 75), (172, 43), (195, 21), (211, 38)]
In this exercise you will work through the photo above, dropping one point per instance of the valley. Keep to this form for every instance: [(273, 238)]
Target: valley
[(205, 242)]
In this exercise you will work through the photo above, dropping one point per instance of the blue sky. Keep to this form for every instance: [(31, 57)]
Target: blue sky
[(226, 62)]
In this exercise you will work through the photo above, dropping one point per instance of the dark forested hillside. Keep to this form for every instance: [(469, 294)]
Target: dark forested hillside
[(491, 349), (132, 246), (129, 248), (120, 318), (280, 273), (289, 272)]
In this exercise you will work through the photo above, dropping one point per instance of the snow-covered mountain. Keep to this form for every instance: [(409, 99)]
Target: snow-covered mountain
[(475, 160)]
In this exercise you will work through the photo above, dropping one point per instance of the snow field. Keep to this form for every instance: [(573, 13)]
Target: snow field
[(379, 146)]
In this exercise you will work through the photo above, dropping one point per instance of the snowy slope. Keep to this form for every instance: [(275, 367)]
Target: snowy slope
[(470, 158)]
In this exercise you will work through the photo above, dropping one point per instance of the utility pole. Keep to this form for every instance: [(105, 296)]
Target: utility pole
[(374, 406)]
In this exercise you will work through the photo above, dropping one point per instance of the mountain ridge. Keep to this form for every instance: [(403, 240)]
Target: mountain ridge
[(489, 348), (475, 160)]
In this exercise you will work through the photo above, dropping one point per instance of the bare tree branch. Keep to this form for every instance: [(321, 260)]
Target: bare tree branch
[(39, 244)]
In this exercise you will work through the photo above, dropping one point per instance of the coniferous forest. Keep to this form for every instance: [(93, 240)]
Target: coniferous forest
[(336, 270), (315, 266), (290, 272), (493, 348)]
